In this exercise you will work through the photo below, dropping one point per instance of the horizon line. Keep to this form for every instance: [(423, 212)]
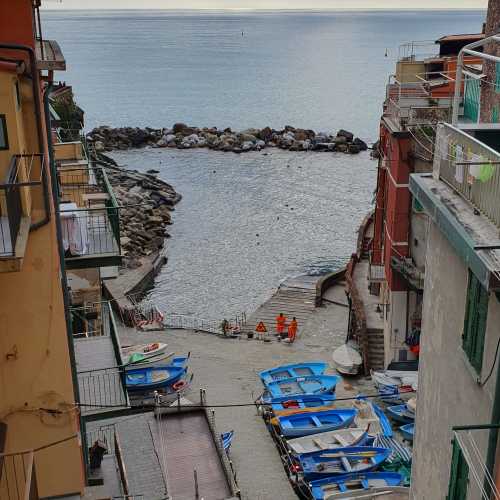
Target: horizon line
[(264, 9)]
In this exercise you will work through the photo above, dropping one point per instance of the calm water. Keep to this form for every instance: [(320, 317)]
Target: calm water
[(319, 70)]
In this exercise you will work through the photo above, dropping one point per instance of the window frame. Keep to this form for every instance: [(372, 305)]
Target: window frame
[(475, 322), (459, 474), (3, 126)]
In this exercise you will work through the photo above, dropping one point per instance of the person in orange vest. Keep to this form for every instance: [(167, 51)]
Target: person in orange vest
[(292, 330), (280, 324)]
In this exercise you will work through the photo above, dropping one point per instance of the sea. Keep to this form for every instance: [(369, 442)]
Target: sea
[(247, 222)]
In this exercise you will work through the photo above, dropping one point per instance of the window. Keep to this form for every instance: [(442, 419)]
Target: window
[(459, 475), (4, 140), (475, 322)]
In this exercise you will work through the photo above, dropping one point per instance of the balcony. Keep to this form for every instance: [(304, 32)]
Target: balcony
[(17, 476), (412, 104), (407, 269), (376, 272), (49, 56), (23, 202), (476, 179), (89, 217)]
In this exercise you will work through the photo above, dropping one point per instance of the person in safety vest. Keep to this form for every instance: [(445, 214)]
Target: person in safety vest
[(280, 324), (292, 330)]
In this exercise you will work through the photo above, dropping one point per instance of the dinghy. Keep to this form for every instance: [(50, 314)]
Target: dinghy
[(342, 461), (370, 415), (294, 411), (408, 431), (285, 403), (352, 485), (304, 424), (313, 384), (293, 370), (141, 361), (401, 413), (146, 350), (347, 359), (149, 379), (341, 438)]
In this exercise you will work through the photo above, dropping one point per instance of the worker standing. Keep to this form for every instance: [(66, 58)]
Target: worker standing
[(280, 324), (292, 330)]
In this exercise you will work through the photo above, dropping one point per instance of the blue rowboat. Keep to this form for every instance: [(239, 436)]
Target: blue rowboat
[(340, 461), (383, 421), (313, 384), (148, 379), (293, 370), (368, 482), (401, 413), (340, 438), (301, 402), (305, 424), (408, 431)]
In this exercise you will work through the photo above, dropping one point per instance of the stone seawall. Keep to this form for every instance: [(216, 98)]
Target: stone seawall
[(181, 136)]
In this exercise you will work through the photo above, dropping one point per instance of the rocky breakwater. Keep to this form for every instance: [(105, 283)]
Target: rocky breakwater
[(146, 204), (181, 136)]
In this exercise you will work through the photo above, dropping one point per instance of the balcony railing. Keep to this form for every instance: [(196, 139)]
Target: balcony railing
[(376, 272), (417, 50), (406, 267), (17, 476), (21, 197), (89, 217), (471, 168), (91, 320)]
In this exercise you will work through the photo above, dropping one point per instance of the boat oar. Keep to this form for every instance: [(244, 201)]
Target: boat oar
[(350, 454)]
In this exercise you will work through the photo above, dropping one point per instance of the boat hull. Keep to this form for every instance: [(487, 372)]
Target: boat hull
[(347, 360), (408, 431), (400, 413), (150, 379), (327, 441), (297, 386), (293, 370)]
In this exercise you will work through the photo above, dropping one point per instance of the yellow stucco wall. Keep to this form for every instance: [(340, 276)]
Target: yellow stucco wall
[(35, 371)]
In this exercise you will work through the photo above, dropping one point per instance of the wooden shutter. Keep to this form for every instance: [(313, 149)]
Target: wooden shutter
[(459, 475)]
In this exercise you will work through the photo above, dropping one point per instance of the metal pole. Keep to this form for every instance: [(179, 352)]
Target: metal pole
[(196, 491)]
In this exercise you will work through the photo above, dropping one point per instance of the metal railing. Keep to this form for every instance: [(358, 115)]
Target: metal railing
[(185, 322), (471, 168), (104, 434), (91, 319), (17, 476), (21, 194), (376, 272), (417, 50)]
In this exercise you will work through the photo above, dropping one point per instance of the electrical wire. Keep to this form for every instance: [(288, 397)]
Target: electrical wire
[(483, 383)]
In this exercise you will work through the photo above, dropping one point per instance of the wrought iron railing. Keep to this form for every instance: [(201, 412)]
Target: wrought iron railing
[(417, 50), (471, 168), (376, 272), (93, 319), (21, 194), (17, 476)]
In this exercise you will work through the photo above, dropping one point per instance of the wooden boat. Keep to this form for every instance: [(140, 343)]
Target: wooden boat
[(300, 402), (149, 379), (293, 370), (370, 415), (141, 361), (146, 350), (352, 485), (401, 413), (341, 438), (347, 359), (342, 461), (313, 384), (304, 424), (408, 431), (294, 411)]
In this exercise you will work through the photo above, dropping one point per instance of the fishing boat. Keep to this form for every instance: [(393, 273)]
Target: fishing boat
[(352, 485), (401, 413), (304, 424), (342, 461), (313, 384), (341, 438), (301, 402), (371, 415), (347, 359), (293, 370), (146, 350), (149, 379), (141, 361), (294, 411), (408, 431)]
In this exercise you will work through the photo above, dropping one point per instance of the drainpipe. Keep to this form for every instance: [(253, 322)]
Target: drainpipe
[(468, 49), (493, 435), (38, 114)]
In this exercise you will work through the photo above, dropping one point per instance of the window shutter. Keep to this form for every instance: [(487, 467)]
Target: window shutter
[(497, 77), (459, 475), (481, 319)]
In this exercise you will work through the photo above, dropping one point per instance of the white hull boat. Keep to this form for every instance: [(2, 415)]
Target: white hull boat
[(327, 440), (347, 359), (144, 362), (143, 351)]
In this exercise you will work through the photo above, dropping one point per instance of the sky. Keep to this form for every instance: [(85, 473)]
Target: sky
[(264, 4)]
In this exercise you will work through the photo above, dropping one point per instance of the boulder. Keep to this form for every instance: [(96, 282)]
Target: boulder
[(344, 133), (178, 128), (353, 149), (361, 144), (244, 137), (247, 146), (265, 134)]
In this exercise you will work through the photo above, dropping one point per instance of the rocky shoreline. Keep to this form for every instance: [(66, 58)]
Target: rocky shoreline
[(181, 136), (146, 204)]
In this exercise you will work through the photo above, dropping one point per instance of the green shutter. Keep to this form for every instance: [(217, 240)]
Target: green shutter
[(497, 77), (476, 315), (471, 99), (494, 114), (459, 475)]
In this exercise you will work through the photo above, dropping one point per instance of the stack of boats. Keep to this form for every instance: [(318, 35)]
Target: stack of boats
[(149, 367), (327, 448)]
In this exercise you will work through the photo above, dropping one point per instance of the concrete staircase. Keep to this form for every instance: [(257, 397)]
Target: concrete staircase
[(376, 349)]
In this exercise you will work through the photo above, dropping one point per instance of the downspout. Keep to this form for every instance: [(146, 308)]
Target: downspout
[(38, 114), (493, 435)]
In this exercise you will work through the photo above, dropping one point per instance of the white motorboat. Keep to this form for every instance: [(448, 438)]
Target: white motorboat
[(347, 359)]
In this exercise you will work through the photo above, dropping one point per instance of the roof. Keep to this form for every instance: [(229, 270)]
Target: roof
[(461, 38)]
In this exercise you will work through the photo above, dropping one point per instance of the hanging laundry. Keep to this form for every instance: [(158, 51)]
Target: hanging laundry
[(475, 166), (486, 170), (459, 169)]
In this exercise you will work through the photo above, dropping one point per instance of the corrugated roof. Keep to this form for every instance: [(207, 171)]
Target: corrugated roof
[(458, 38)]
